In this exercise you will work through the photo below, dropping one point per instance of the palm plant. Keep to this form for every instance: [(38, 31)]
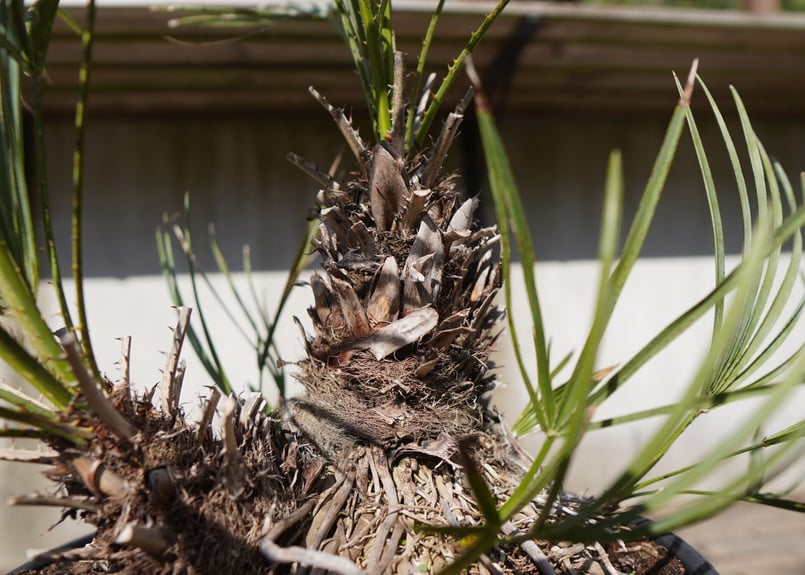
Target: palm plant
[(392, 461)]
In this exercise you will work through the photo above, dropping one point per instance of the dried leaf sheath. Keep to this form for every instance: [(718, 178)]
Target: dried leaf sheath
[(398, 260), (403, 319)]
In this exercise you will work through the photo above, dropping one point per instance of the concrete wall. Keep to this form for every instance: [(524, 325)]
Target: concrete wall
[(234, 168)]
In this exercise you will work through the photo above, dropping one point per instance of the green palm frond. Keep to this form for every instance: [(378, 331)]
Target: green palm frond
[(750, 327)]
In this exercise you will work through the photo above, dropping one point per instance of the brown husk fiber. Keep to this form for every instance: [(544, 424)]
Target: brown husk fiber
[(364, 507)]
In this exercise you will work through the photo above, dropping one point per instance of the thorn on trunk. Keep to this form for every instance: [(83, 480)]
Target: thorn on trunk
[(171, 385), (121, 393), (208, 414), (233, 460)]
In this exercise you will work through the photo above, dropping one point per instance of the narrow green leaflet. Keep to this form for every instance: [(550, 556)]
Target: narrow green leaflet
[(255, 324), (454, 70), (16, 224), (43, 426), (581, 380), (419, 75), (302, 258), (168, 266), (33, 371), (744, 338), (42, 16), (21, 304), (87, 43), (511, 220), (712, 204)]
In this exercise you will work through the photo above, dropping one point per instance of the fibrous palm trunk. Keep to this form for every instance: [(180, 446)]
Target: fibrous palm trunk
[(397, 368), (396, 375)]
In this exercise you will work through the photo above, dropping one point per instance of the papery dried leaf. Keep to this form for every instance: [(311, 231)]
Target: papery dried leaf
[(327, 306), (416, 289), (419, 269), (359, 236), (480, 320), (384, 303), (480, 282), (445, 338), (443, 143), (425, 368), (325, 241), (422, 274), (332, 195), (454, 320), (314, 317), (486, 274), (490, 234), (472, 257), (400, 333), (387, 188), (252, 406), (453, 235), (416, 204), (462, 219), (337, 223), (443, 447), (459, 226), (351, 308), (317, 244)]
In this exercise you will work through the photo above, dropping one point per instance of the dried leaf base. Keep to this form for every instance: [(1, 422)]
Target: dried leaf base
[(178, 507)]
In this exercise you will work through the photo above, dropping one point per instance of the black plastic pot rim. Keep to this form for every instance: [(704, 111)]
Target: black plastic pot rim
[(35, 564), (692, 560)]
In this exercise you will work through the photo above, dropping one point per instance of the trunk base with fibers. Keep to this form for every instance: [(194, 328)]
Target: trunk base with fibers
[(398, 369), (395, 376), (173, 501)]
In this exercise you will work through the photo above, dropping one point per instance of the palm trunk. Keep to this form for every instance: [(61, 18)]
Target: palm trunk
[(397, 368), (378, 448)]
